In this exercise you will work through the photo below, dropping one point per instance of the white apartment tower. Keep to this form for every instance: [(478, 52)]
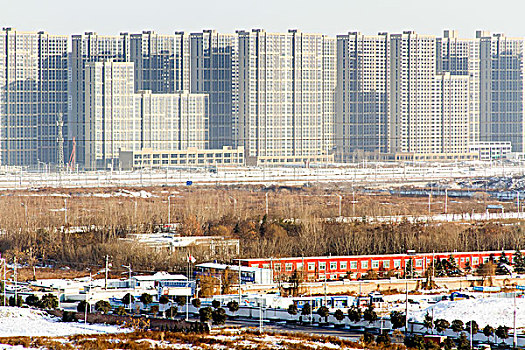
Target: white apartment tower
[(362, 91), (111, 119), (175, 121), (89, 47), (411, 124), (450, 104), (494, 65), (393, 100), (119, 119), (283, 96), (460, 57), (33, 93), (182, 61)]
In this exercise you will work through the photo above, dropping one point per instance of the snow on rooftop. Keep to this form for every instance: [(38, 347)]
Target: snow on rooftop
[(27, 322), (57, 283), (160, 276)]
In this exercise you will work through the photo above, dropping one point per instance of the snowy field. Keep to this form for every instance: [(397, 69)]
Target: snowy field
[(492, 311), (29, 322)]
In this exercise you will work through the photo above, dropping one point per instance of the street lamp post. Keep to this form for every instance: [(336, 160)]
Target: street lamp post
[(87, 299), (515, 335), (266, 195), (169, 210), (340, 204), (406, 306), (65, 211), (446, 200), (234, 204), (260, 316), (129, 271)]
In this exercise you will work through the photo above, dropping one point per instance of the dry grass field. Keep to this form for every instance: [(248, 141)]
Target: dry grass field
[(78, 227)]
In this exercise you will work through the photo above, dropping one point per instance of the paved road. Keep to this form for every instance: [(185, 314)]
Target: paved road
[(283, 327)]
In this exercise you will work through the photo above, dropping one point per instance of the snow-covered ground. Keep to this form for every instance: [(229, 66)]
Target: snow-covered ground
[(16, 321), (492, 311), (371, 173)]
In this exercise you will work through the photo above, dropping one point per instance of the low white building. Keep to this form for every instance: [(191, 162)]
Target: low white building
[(172, 241), (96, 289), (252, 275), (152, 281), (491, 150)]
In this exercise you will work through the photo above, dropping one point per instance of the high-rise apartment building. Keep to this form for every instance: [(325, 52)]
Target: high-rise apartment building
[(412, 70), (501, 117), (362, 90), (161, 62), (282, 95), (119, 119), (111, 120), (460, 57), (175, 121), (89, 47), (494, 65), (450, 115), (394, 101), (329, 79), (214, 71), (33, 95), (182, 61)]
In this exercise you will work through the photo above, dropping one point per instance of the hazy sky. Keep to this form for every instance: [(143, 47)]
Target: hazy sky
[(320, 16)]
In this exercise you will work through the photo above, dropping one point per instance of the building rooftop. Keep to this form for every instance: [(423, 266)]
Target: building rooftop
[(231, 267), (160, 276)]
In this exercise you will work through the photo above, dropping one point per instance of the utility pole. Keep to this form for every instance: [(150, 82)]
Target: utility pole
[(15, 278), (266, 195), (518, 200), (340, 204), (311, 306), (429, 201), (129, 270), (5, 271), (260, 316), (240, 292), (87, 299), (470, 334), (106, 271), (65, 211), (325, 296), (169, 210), (515, 335), (406, 307), (60, 142), (187, 308), (446, 200), (353, 203)]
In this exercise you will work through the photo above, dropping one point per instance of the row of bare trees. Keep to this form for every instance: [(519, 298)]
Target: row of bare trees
[(82, 228)]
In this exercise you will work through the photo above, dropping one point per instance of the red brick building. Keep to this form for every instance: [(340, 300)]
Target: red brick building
[(354, 266)]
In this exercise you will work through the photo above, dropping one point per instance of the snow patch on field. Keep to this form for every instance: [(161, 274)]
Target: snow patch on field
[(492, 311), (125, 193), (27, 322)]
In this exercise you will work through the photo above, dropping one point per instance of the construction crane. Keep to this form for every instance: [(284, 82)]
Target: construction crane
[(72, 157)]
